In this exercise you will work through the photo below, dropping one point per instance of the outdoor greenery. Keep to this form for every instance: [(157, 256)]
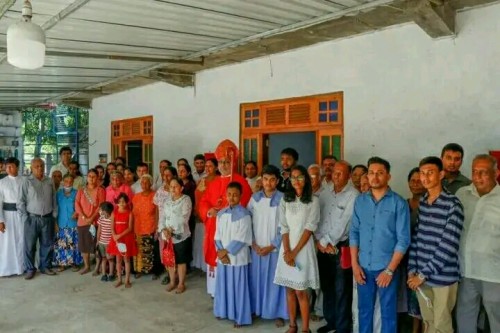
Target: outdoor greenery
[(40, 128)]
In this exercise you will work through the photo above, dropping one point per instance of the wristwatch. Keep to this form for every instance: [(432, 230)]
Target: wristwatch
[(388, 272), (421, 276)]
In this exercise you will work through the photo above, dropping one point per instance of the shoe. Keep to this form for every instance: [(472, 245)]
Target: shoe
[(48, 272), (111, 278), (29, 275), (104, 278), (325, 329)]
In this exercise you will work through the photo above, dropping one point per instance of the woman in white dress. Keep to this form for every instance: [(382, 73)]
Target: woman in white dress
[(11, 226), (297, 268)]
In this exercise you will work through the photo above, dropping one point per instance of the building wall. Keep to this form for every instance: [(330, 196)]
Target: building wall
[(405, 95)]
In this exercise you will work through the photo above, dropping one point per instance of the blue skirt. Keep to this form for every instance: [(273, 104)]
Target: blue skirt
[(66, 248), (232, 294), (268, 300)]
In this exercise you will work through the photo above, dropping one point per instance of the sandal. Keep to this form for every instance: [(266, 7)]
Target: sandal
[(60, 269), (292, 329), (180, 289), (170, 288)]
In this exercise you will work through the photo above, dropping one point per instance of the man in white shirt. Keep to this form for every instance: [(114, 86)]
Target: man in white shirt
[(142, 169), (328, 163), (336, 209), (199, 167), (480, 247), (65, 154)]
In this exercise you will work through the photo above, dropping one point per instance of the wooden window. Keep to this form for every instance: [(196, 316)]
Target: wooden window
[(322, 114), (250, 149), (252, 118), (147, 127), (116, 130), (331, 145)]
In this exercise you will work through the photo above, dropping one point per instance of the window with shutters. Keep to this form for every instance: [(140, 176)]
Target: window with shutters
[(322, 114)]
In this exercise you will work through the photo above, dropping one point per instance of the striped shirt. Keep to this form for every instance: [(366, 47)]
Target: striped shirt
[(105, 225), (434, 246)]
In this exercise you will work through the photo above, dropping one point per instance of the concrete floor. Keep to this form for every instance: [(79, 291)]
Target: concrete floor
[(73, 303)]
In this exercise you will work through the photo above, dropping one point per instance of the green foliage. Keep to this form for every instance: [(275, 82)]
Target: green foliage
[(39, 127)]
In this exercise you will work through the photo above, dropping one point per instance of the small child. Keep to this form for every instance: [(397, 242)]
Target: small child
[(104, 233), (66, 252), (268, 299), (233, 238), (122, 244)]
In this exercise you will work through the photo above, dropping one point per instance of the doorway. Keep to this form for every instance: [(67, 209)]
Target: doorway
[(303, 142), (134, 153)]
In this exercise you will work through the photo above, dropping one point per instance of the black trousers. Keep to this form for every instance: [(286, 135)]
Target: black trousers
[(336, 286)]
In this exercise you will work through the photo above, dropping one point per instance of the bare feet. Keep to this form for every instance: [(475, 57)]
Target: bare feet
[(279, 322), (95, 273), (128, 284), (180, 289), (170, 287), (60, 269), (292, 329), (118, 284), (84, 271)]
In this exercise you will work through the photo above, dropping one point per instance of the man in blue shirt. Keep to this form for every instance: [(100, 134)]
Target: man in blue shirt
[(379, 238)]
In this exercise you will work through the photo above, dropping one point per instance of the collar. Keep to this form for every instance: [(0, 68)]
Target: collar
[(473, 190), (388, 193), (237, 212), (443, 192), (275, 198)]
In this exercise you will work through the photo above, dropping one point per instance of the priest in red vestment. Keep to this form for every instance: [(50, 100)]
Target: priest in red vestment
[(214, 199)]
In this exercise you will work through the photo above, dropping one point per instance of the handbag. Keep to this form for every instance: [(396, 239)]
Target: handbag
[(168, 254)]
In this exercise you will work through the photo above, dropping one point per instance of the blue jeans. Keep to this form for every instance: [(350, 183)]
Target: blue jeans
[(367, 294)]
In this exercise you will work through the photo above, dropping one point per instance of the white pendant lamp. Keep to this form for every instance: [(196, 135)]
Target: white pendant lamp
[(26, 42)]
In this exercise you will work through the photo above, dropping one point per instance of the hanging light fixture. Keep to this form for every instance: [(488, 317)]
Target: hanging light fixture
[(26, 42)]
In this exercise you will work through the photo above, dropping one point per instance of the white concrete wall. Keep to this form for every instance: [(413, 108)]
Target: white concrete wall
[(405, 95)]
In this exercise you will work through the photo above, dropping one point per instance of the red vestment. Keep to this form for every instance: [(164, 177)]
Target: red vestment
[(215, 196)]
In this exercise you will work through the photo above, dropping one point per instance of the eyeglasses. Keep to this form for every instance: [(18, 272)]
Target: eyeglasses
[(298, 179)]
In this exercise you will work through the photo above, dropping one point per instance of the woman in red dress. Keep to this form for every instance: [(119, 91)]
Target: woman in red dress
[(122, 245)]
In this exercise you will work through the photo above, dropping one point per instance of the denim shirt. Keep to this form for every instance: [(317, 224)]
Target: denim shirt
[(379, 229)]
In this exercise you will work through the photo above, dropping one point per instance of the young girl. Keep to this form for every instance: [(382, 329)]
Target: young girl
[(122, 244), (104, 234), (297, 267), (175, 227), (233, 238), (66, 248)]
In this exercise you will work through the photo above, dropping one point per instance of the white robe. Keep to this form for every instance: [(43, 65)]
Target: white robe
[(12, 240)]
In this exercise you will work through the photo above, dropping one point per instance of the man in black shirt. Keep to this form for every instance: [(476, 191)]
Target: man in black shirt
[(289, 158)]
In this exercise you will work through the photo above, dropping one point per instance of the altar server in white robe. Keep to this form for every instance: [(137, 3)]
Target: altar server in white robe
[(268, 300), (11, 226), (233, 238)]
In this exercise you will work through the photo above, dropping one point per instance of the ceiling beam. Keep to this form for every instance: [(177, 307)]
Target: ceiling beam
[(46, 90), (435, 17), (5, 5), (122, 57)]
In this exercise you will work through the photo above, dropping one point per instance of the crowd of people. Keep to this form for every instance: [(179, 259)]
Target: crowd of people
[(330, 241)]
